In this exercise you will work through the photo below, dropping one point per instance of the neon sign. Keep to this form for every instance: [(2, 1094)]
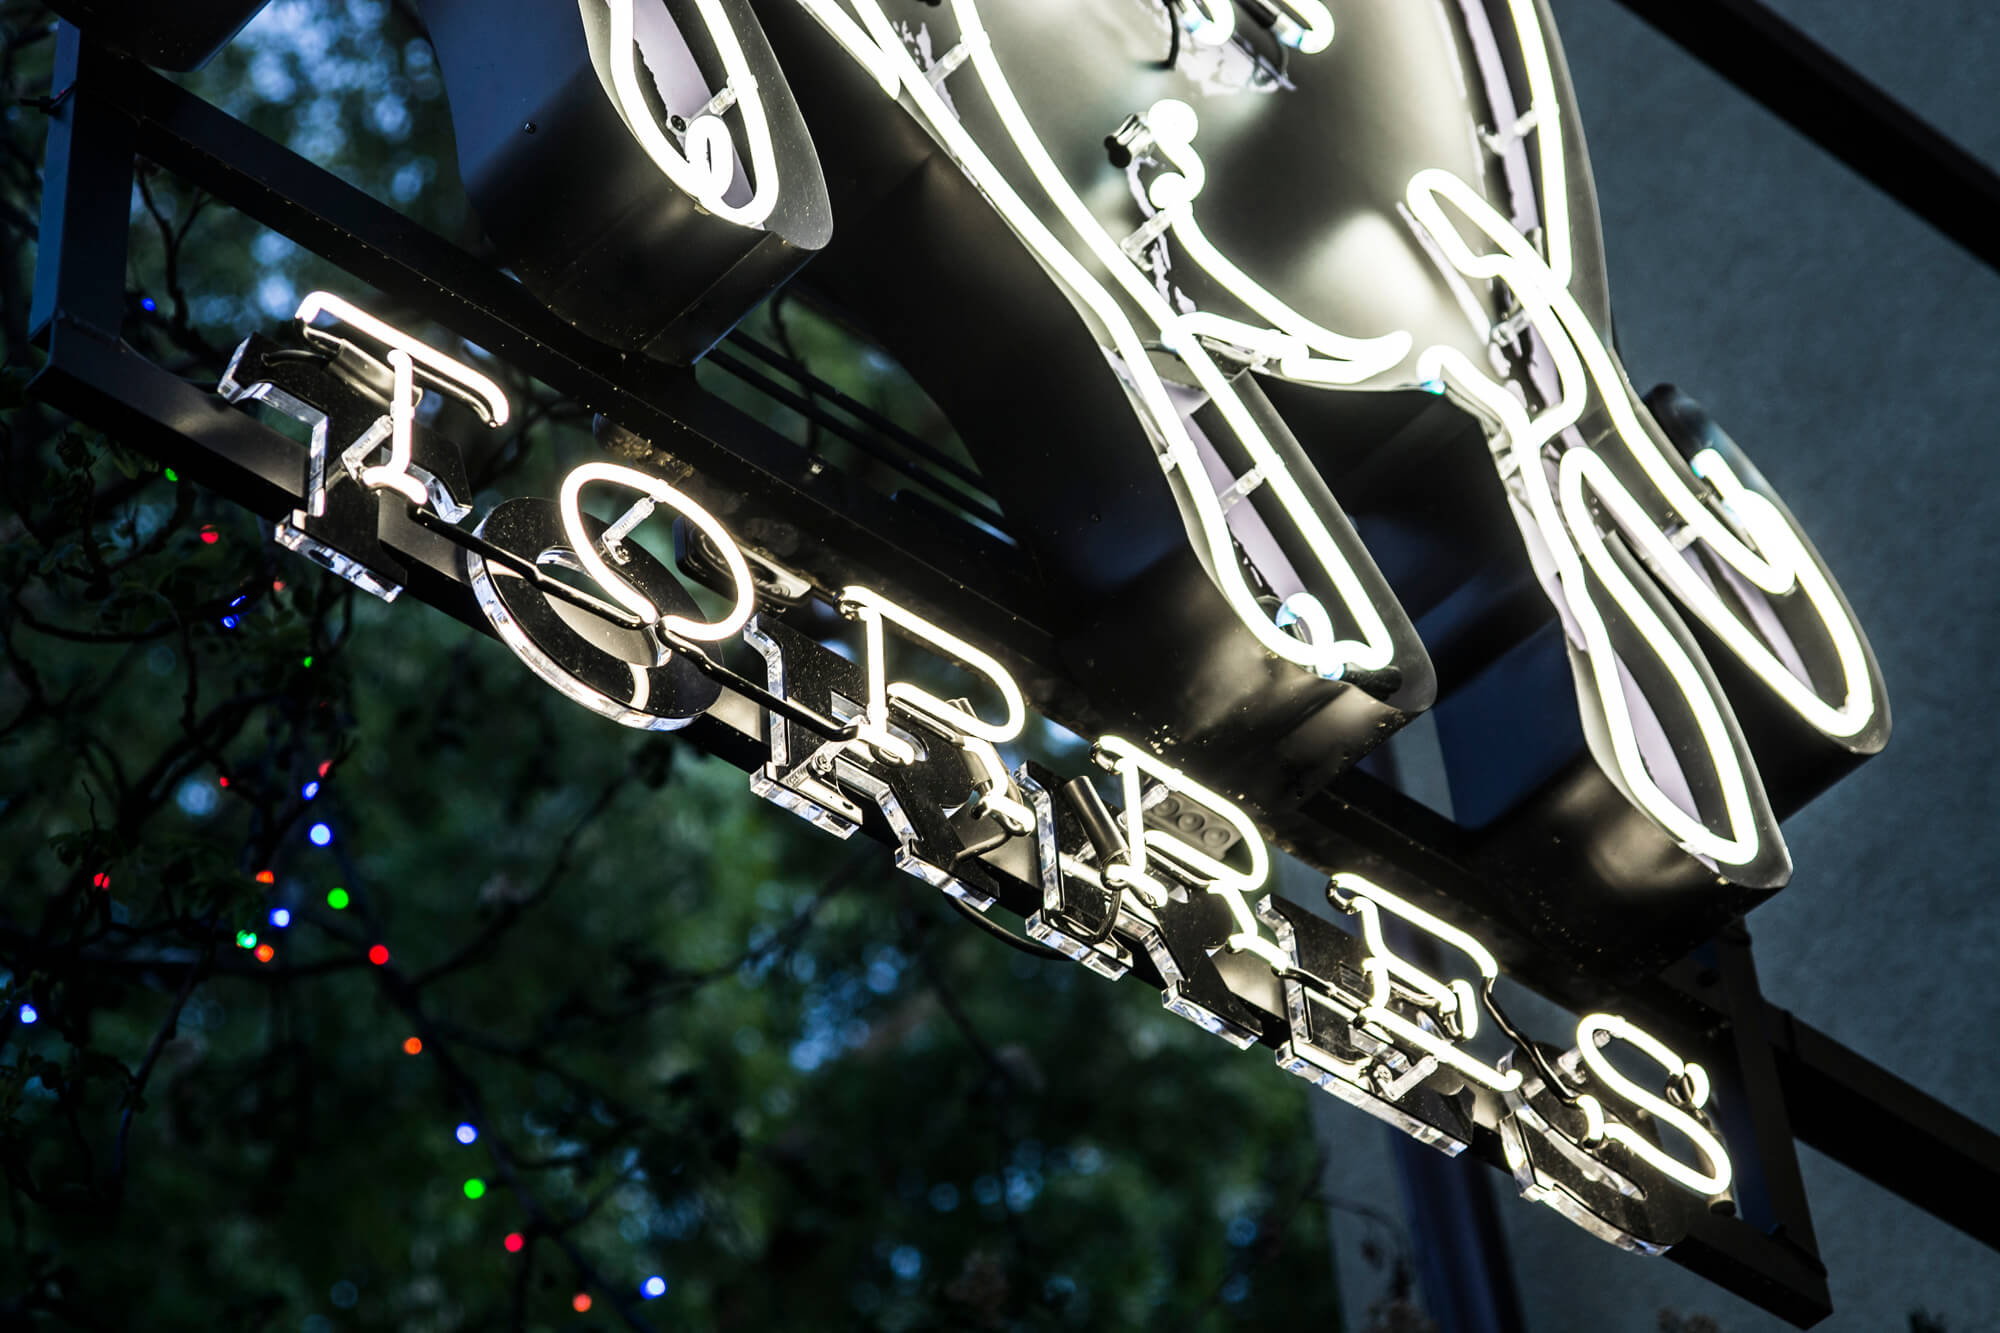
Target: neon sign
[(1256, 586), (1170, 869), (1744, 531), (1727, 552)]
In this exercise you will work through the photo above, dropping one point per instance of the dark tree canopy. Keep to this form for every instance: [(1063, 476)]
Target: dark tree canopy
[(694, 1038)]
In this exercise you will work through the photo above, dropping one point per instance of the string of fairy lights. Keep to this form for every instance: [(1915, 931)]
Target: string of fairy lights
[(279, 917)]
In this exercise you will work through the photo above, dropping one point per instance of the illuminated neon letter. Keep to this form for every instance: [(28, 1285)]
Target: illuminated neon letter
[(1133, 766), (655, 491), (1597, 1030), (1452, 1003)]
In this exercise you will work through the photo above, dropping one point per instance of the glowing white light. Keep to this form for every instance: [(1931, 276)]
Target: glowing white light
[(395, 474), (843, 29), (708, 167), (1307, 26), (1292, 337), (1210, 22), (1374, 648), (1776, 563), (422, 353), (1133, 766), (1545, 118), (872, 609), (1713, 1154), (996, 786), (629, 597), (1454, 1002)]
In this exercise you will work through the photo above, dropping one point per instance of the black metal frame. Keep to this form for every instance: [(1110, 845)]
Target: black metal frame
[(1786, 1079), (1827, 101)]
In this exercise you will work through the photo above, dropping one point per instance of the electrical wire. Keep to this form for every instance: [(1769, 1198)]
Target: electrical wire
[(1004, 935), (1550, 1077)]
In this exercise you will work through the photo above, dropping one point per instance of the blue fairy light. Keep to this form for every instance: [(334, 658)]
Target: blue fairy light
[(281, 917), (29, 1015), (310, 790), (654, 1287), (149, 305), (320, 834), (467, 1132)]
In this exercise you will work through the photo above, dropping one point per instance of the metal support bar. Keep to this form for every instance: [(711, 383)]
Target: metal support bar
[(816, 387), (1898, 1136), (1830, 103), (1755, 1118), (965, 497), (275, 186), (86, 194), (1770, 1193)]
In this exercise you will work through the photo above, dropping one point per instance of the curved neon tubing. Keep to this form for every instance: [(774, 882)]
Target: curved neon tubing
[(1455, 1000), (420, 352), (1174, 126), (1374, 649), (1777, 563), (1717, 1178), (880, 64), (1548, 138), (585, 550), (873, 609), (708, 180), (395, 474)]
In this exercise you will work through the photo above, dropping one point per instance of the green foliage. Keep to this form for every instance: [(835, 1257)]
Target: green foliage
[(697, 1038)]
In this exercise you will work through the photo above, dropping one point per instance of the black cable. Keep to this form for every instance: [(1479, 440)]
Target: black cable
[(984, 845), (1550, 1078), (526, 568), (1173, 35), (1094, 935), (1001, 933), (819, 724)]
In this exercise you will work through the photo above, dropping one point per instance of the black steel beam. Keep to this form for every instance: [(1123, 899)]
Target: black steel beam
[(268, 182), (89, 161), (1898, 1136), (1829, 102)]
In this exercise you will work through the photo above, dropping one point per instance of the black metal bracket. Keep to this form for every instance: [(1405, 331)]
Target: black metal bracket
[(1829, 102)]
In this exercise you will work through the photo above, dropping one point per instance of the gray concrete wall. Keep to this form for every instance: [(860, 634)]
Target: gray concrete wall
[(1856, 355)]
